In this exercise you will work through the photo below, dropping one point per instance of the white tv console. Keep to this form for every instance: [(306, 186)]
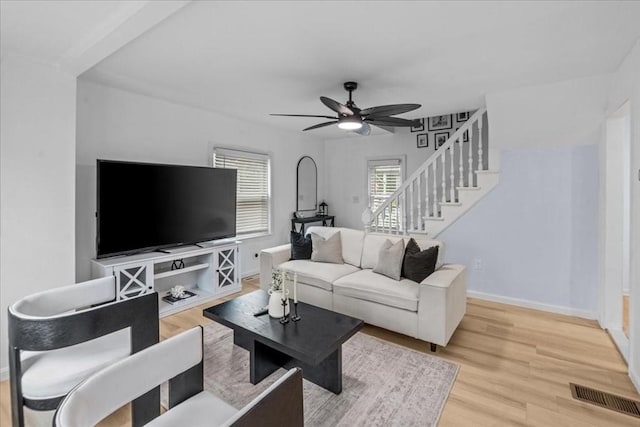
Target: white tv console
[(210, 272)]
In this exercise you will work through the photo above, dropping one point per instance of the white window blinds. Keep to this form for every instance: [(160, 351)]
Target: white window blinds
[(253, 191), (385, 177)]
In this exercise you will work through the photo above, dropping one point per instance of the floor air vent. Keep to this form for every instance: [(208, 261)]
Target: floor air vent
[(606, 400)]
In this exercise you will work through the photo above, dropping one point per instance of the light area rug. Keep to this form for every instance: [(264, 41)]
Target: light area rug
[(383, 384)]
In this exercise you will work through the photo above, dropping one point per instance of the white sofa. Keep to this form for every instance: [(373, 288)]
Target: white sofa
[(430, 310)]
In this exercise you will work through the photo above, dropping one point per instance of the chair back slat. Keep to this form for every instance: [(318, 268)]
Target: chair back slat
[(109, 389), (283, 401), (65, 299), (33, 334)]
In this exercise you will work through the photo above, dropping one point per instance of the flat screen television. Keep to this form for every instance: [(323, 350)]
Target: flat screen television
[(143, 207)]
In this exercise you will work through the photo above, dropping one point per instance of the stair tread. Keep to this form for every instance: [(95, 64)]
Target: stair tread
[(469, 188), (434, 218), (488, 171), (450, 204)]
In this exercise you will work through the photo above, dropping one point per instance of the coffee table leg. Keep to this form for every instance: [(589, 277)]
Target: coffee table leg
[(327, 374), (242, 340), (263, 361)]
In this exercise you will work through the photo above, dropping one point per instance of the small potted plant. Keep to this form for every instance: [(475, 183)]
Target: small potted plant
[(276, 293)]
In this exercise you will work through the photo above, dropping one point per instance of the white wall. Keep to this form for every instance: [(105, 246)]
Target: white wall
[(120, 125), (568, 112), (626, 86), (533, 234), (346, 177), (37, 131), (531, 240)]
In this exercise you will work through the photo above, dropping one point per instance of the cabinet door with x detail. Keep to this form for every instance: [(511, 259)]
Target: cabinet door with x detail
[(133, 280), (227, 269)]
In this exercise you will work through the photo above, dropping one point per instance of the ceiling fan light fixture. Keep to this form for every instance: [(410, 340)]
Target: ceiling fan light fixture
[(350, 123)]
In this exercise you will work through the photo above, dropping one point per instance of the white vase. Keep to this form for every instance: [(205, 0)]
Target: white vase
[(275, 304)]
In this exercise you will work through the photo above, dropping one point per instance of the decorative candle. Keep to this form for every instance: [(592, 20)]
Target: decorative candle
[(283, 277), (295, 288)]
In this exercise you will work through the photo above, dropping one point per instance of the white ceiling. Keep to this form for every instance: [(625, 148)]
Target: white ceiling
[(250, 58), (49, 30)]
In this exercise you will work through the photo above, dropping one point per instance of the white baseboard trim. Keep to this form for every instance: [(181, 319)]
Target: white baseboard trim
[(246, 274), (635, 379), (585, 314), (622, 342), (4, 373)]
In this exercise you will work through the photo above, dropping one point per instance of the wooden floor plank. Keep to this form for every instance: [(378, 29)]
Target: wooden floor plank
[(515, 366)]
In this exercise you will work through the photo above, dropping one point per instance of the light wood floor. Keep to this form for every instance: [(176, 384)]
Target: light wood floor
[(515, 367)]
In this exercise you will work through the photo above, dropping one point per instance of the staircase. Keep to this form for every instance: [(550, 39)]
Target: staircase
[(444, 187)]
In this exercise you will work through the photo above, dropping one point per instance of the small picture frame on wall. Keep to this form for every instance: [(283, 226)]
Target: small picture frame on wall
[(440, 122), (418, 128), (465, 136), (462, 117), (422, 140), (440, 138)]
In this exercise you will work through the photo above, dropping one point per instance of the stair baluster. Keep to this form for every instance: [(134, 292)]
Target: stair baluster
[(434, 199), (452, 176), (470, 155), (443, 197), (420, 198), (480, 162), (460, 163)]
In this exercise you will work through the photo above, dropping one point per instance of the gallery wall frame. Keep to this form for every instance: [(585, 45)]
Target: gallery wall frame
[(422, 140), (440, 122), (418, 128), (440, 138)]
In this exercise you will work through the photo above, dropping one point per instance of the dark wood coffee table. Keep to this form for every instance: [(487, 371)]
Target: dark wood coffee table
[(314, 343)]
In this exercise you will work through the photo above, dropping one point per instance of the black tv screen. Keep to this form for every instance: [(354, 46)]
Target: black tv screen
[(144, 206)]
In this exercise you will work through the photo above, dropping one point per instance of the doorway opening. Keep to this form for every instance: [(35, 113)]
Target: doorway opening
[(616, 228)]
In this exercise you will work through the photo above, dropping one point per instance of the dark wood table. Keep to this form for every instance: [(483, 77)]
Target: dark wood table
[(314, 343), (326, 220)]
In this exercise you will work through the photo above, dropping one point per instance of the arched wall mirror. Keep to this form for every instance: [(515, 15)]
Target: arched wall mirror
[(307, 185)]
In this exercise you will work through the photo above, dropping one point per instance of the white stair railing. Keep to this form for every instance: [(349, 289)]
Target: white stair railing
[(435, 182)]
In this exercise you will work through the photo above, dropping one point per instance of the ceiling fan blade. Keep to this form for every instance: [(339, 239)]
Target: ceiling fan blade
[(336, 106), (391, 121), (320, 125), (365, 130), (303, 115), (389, 110)]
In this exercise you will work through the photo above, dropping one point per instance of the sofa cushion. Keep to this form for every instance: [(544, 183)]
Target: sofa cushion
[(352, 241), (318, 274), (300, 246), (369, 286), (373, 242), (326, 249), (390, 259), (417, 264)]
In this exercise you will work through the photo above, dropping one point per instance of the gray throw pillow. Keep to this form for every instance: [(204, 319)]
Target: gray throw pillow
[(326, 250), (390, 259)]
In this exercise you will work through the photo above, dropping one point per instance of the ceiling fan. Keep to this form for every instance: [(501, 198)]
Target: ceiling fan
[(350, 117)]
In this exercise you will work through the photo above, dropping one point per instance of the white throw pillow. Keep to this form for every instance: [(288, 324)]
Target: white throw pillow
[(326, 250), (390, 259)]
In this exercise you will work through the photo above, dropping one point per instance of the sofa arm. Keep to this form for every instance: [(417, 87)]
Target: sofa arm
[(270, 258), (442, 303)]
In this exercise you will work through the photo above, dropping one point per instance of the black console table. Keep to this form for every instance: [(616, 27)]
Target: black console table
[(327, 221)]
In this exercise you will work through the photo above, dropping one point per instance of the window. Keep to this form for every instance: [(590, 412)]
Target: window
[(384, 178), (253, 205)]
